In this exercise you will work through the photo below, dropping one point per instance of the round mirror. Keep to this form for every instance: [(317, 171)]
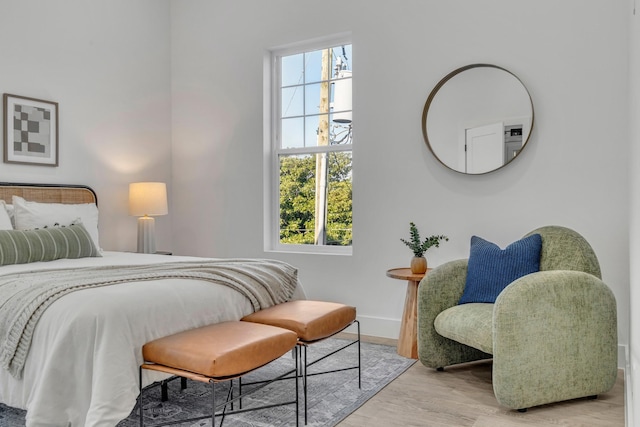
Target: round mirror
[(477, 119)]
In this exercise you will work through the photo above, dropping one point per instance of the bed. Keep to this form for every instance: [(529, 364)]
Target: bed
[(81, 367)]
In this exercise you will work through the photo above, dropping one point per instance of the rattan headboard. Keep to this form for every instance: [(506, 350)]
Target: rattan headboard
[(48, 193)]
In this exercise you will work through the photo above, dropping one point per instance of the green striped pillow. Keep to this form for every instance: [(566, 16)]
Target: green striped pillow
[(46, 244)]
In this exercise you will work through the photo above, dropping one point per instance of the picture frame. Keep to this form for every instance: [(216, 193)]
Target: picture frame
[(30, 131)]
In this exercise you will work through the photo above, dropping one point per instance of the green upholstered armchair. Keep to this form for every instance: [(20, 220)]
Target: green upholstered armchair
[(552, 334)]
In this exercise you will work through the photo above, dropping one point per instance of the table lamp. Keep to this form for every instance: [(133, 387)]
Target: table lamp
[(146, 200)]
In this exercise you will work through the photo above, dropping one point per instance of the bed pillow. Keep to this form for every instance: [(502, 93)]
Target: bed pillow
[(29, 215), (9, 209), (46, 244), (5, 220), (491, 269)]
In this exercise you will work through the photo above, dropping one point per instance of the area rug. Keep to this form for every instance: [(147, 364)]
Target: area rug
[(331, 397)]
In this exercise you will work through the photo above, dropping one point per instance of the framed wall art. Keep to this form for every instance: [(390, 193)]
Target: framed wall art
[(30, 131)]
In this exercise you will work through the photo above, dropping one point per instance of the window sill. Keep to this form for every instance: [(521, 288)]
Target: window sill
[(312, 250)]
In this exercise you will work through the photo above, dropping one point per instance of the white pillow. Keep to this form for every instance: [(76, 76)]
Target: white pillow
[(9, 209), (29, 215), (5, 220)]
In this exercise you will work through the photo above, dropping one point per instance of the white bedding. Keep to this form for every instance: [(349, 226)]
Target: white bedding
[(82, 368)]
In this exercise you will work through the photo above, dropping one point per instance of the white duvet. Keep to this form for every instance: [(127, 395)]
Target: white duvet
[(82, 368)]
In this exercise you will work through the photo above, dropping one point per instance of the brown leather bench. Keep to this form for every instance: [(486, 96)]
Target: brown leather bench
[(312, 321), (216, 353)]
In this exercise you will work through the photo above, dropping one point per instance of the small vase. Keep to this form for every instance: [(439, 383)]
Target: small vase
[(418, 265)]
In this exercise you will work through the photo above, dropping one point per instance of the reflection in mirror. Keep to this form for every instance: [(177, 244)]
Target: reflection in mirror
[(477, 119)]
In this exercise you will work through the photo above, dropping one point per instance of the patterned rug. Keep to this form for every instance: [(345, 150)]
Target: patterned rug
[(331, 397)]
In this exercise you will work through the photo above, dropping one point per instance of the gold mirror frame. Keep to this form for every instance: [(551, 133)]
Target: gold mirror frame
[(429, 105)]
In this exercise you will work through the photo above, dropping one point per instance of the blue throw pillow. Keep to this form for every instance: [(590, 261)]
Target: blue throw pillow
[(492, 269)]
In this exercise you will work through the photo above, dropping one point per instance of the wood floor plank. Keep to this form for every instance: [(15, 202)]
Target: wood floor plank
[(463, 396)]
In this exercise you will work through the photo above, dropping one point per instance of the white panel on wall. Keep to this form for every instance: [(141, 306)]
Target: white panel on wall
[(632, 377)]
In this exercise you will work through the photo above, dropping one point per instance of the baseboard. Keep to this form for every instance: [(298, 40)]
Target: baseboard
[(379, 327), (628, 386), (623, 356)]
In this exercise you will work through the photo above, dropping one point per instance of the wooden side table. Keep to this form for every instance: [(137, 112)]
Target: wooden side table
[(408, 340)]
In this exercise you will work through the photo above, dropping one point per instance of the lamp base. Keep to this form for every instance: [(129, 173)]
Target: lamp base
[(146, 235)]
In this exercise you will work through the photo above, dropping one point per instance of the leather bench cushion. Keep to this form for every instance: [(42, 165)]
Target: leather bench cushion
[(470, 324), (221, 350), (311, 320)]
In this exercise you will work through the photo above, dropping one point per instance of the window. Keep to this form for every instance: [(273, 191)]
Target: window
[(311, 155)]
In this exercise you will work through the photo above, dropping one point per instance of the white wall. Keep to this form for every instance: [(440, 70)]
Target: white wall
[(572, 56), (633, 368), (107, 65)]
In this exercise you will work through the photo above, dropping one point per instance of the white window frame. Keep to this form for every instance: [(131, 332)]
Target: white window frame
[(271, 124)]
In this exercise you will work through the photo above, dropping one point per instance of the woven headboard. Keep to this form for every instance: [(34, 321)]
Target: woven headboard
[(48, 193)]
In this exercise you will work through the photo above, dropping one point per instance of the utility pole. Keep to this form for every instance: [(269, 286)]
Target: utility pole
[(320, 236)]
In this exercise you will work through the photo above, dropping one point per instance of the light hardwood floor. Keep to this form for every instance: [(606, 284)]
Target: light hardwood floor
[(462, 396)]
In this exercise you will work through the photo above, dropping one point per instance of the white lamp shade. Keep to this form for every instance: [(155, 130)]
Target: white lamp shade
[(148, 199)]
